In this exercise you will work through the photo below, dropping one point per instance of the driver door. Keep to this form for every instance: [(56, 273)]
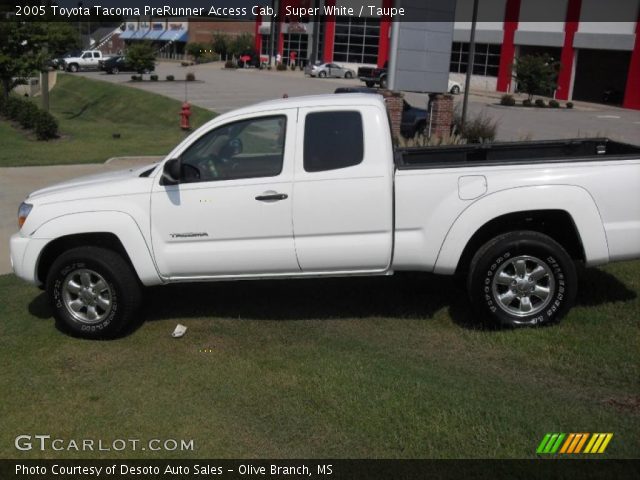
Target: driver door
[(231, 214)]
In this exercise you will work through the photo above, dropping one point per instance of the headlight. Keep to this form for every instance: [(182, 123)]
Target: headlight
[(23, 213)]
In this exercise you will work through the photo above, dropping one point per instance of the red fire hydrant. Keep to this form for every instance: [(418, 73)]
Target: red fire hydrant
[(184, 116)]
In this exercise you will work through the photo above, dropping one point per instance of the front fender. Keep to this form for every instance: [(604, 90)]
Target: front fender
[(118, 223), (576, 201)]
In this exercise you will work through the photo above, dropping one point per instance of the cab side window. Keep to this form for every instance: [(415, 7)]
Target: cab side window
[(332, 140), (250, 148)]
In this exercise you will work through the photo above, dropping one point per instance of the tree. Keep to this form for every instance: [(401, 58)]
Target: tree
[(141, 57), (196, 50), (241, 44), (220, 44), (536, 74), (24, 45)]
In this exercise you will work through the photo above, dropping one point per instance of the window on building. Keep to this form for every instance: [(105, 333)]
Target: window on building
[(264, 47), (295, 42), (485, 63), (356, 40), (332, 140)]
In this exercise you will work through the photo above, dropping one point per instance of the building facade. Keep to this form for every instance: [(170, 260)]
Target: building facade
[(598, 58)]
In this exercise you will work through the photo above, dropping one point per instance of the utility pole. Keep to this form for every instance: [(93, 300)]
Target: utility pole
[(44, 79), (472, 54)]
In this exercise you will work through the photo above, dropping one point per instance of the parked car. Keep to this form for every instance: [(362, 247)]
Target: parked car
[(414, 120), (513, 219), (87, 60), (59, 62), (372, 76), (119, 64), (323, 70)]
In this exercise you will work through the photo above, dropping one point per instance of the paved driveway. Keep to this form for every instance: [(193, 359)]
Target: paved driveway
[(221, 90)]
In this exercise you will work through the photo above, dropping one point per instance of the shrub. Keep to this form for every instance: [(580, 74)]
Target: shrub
[(526, 103), (507, 100), (154, 78), (170, 78), (27, 114), (136, 78), (229, 64), (554, 104), (191, 77), (13, 107), (540, 103), (478, 129), (269, 67), (569, 104), (3, 105), (281, 67), (46, 126)]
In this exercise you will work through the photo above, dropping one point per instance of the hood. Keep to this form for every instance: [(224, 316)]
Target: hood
[(92, 183)]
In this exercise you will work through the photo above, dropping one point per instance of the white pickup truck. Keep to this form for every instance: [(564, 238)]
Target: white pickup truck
[(87, 60), (312, 187)]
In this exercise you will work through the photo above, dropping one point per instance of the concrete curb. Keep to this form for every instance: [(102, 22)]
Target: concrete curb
[(141, 159)]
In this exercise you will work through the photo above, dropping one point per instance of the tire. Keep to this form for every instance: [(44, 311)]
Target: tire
[(421, 129), (370, 84), (383, 82), (115, 70), (455, 90), (100, 284), (501, 286), (73, 68), (322, 74), (348, 75)]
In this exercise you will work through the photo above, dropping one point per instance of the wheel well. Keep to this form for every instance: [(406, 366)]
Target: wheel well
[(60, 245), (557, 224)]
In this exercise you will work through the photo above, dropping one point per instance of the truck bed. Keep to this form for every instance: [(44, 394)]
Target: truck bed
[(515, 153)]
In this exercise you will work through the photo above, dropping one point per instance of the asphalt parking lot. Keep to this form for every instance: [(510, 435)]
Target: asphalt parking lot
[(221, 90)]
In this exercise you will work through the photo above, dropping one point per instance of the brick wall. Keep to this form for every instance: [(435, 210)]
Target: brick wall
[(441, 115), (394, 101), (202, 32)]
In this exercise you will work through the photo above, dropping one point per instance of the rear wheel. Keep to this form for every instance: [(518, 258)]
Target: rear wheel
[(455, 90), (370, 84), (348, 75), (383, 82), (115, 70), (73, 68), (93, 292), (522, 279), (322, 74)]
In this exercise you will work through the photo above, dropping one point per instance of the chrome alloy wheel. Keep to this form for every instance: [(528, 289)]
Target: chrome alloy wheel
[(523, 286), (87, 296)]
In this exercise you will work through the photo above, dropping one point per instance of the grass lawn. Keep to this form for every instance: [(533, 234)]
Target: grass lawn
[(89, 113), (355, 368)]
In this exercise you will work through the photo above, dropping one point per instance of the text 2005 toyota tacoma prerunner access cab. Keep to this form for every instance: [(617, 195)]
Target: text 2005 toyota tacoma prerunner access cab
[(312, 186)]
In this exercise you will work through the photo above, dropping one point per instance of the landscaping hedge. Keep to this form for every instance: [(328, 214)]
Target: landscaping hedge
[(29, 116)]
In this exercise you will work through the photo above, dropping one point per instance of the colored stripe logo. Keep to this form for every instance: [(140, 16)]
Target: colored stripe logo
[(573, 443)]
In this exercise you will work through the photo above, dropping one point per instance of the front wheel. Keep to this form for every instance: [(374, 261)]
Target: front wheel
[(370, 84), (455, 90), (522, 279), (73, 68), (93, 292), (322, 74), (383, 82), (348, 75)]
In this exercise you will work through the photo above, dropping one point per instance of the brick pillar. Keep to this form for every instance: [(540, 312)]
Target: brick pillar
[(394, 102), (441, 115)]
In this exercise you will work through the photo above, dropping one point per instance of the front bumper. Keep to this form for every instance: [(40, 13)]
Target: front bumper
[(24, 254)]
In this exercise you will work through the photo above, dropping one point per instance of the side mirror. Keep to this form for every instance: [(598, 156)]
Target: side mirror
[(171, 172)]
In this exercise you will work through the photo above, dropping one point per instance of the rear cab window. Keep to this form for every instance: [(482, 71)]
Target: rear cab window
[(333, 140)]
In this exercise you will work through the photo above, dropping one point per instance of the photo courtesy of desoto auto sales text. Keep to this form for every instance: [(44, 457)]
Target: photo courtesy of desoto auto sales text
[(319, 239)]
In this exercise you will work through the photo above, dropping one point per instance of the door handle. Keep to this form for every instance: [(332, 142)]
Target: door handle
[(272, 197)]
